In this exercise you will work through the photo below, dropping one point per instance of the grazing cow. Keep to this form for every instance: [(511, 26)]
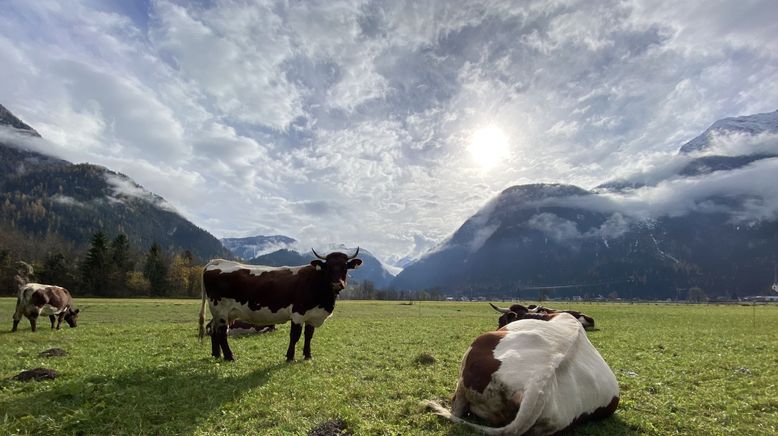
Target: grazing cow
[(272, 295), (35, 299), (539, 312), (533, 376)]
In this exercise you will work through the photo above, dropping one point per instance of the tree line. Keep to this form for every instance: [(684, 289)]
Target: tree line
[(111, 268)]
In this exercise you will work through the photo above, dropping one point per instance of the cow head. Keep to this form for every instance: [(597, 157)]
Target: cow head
[(335, 266), (513, 313), (71, 317)]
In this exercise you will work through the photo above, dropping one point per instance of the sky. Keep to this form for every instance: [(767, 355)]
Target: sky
[(379, 124)]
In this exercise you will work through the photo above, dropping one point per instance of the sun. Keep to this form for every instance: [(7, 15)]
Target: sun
[(488, 147)]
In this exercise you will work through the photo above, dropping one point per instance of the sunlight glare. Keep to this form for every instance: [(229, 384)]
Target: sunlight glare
[(488, 147)]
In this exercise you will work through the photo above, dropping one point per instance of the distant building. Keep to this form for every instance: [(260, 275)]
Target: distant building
[(762, 298)]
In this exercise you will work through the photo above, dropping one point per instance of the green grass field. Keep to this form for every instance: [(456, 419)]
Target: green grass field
[(136, 367)]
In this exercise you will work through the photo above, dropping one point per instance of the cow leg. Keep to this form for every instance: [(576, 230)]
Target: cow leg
[(213, 329), (308, 335), (33, 321), (222, 329), (17, 314), (459, 405), (51, 318), (59, 320), (294, 336)]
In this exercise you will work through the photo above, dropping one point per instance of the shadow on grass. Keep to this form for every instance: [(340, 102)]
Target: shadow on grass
[(613, 425), (166, 400)]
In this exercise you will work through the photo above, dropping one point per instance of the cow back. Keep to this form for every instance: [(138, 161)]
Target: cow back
[(40, 295)]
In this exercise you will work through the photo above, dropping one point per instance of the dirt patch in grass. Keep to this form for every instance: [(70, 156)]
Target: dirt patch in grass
[(330, 428), (424, 359), (53, 352), (36, 374)]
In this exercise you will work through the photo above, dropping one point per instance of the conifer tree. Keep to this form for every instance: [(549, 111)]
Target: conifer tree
[(94, 269), (155, 269), (121, 264)]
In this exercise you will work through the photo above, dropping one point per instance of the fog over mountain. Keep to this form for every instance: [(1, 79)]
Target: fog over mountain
[(254, 246), (707, 216)]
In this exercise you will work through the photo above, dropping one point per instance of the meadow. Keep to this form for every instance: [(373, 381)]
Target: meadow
[(136, 367)]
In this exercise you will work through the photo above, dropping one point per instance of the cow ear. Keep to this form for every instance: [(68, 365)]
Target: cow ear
[(77, 310), (354, 263), (317, 264)]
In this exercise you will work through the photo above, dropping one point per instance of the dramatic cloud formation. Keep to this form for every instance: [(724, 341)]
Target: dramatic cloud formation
[(350, 121)]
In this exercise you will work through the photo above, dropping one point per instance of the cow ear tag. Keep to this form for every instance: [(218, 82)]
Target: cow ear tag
[(316, 264)]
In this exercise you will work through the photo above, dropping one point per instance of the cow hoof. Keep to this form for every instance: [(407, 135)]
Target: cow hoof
[(308, 358), (229, 358), (290, 360)]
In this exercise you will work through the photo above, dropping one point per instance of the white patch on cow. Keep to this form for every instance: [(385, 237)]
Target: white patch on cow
[(314, 317), (48, 309), (229, 266)]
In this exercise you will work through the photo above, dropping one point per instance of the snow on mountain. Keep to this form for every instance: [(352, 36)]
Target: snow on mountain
[(255, 246), (749, 125)]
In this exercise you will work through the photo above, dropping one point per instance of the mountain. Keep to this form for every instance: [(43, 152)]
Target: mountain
[(710, 221), (372, 269), (750, 125), (254, 246), (42, 196)]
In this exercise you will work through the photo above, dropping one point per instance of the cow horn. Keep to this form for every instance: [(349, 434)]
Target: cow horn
[(317, 255), (355, 254), (499, 309)]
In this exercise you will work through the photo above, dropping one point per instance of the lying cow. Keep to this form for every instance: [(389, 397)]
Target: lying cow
[(533, 376), (538, 312), (35, 299), (272, 295), (239, 328)]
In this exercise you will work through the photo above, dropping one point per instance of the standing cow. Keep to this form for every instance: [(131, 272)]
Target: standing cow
[(273, 295), (533, 375), (35, 299)]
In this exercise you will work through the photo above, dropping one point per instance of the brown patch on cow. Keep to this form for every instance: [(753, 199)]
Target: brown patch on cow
[(330, 428), (51, 295), (480, 363), (53, 352), (36, 374), (598, 414)]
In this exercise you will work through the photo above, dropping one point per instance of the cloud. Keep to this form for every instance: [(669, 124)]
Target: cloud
[(268, 116), (124, 188)]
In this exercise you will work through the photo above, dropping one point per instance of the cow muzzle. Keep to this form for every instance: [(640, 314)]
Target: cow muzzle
[(339, 285)]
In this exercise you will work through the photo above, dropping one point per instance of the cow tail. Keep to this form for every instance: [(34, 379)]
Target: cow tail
[(201, 333), (532, 404)]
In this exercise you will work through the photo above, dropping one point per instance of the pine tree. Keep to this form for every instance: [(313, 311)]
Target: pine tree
[(121, 264), (57, 271), (95, 268), (155, 269)]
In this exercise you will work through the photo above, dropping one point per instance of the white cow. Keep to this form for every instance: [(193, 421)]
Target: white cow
[(533, 376)]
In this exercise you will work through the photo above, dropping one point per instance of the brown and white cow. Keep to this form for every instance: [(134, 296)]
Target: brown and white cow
[(517, 311), (35, 299), (533, 376), (265, 295)]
